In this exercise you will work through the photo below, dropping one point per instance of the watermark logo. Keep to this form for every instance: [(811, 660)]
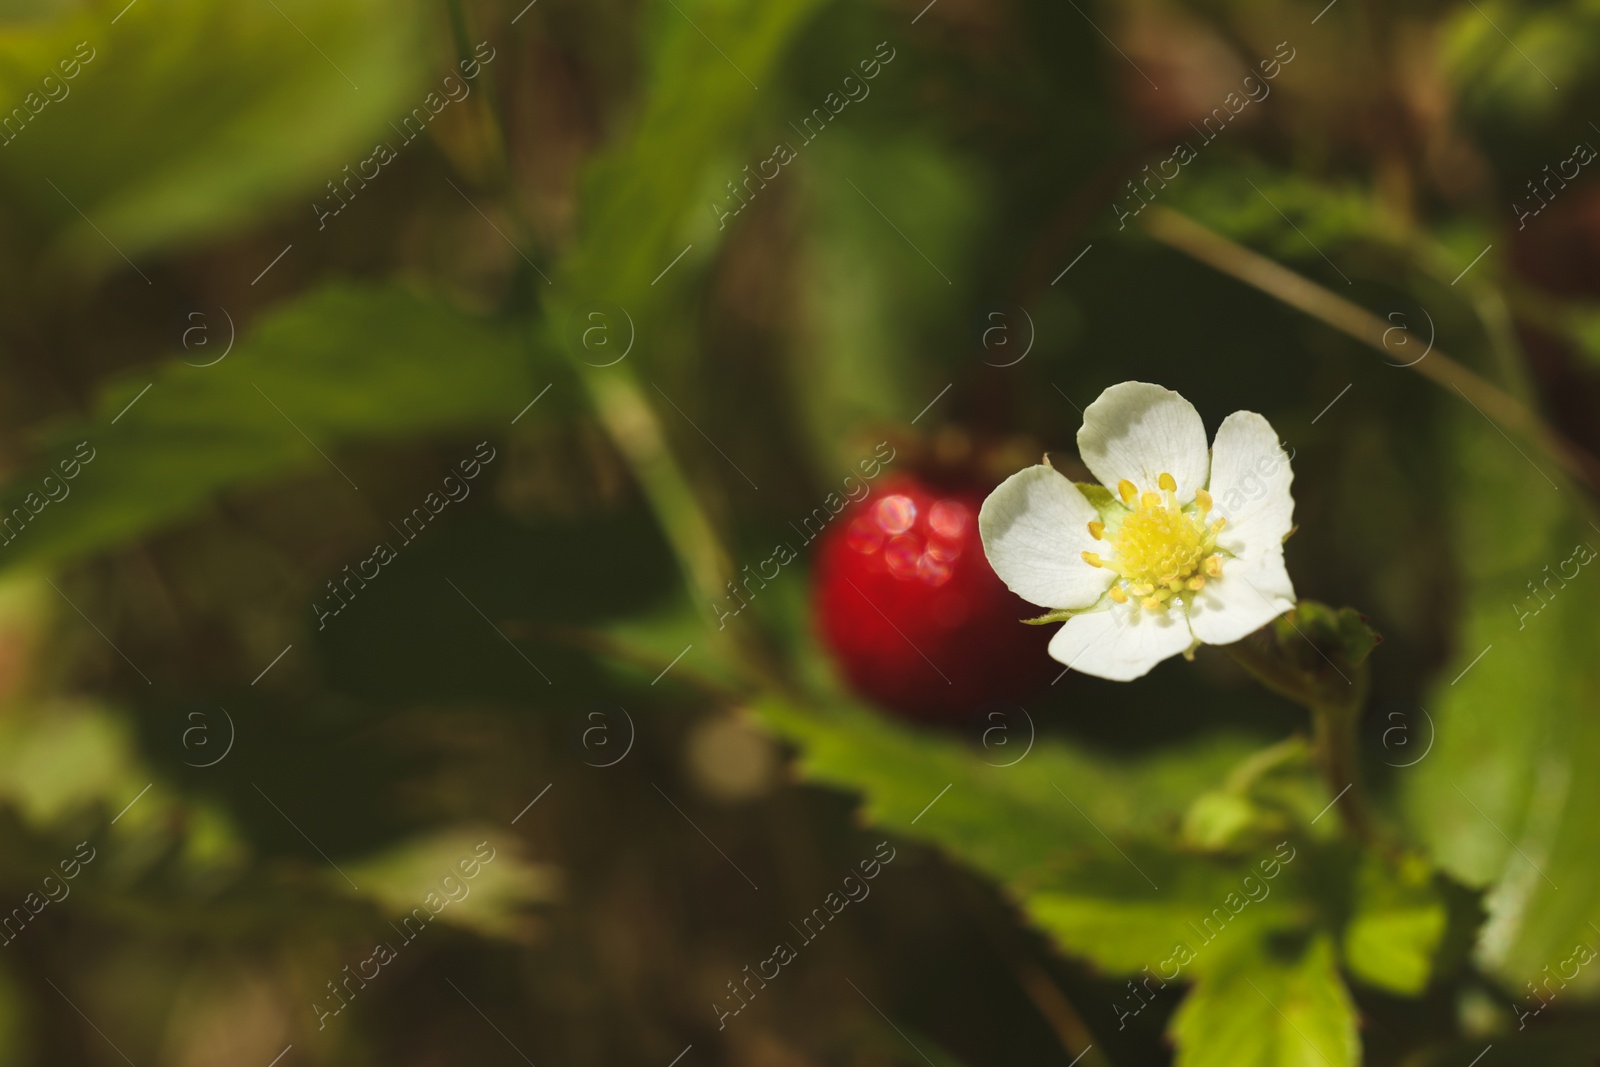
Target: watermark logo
[(1001, 348), (200, 334), (607, 736), (1552, 583), (197, 741), (1401, 341), (1399, 740), (1005, 732), (601, 334)]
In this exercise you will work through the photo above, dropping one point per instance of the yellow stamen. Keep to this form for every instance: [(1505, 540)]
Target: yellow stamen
[(1160, 553)]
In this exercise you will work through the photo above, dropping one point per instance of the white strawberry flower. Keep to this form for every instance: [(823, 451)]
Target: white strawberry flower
[(1183, 547)]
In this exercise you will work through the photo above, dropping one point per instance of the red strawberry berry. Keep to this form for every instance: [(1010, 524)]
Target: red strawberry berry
[(910, 610)]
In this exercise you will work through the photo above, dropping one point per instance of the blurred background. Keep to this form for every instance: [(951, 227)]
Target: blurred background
[(489, 569)]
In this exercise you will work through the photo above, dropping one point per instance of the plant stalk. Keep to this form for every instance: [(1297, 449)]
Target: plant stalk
[(1197, 241), (1335, 708), (1334, 727)]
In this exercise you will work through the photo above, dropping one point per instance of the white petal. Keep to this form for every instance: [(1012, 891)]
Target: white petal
[(1035, 529), (1140, 431), (1250, 479), (1250, 594), (1121, 642)]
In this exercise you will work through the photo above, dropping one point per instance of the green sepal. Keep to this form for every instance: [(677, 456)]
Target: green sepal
[(1312, 653), (1112, 511), (1098, 495), (1059, 615)]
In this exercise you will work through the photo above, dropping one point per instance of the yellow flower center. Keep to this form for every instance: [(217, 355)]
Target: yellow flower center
[(1161, 551)]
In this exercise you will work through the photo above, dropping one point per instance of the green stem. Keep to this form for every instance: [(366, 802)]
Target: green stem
[(1244, 777), (1273, 278), (637, 433), (626, 416), (1335, 708), (492, 126), (1334, 726)]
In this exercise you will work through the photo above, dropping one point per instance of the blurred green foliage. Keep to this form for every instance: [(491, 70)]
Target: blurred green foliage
[(537, 671)]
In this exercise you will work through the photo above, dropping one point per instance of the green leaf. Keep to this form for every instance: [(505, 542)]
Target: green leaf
[(860, 358), (65, 764), (1549, 47), (641, 212), (343, 366), (59, 763), (647, 197), (1076, 836), (999, 815), (1323, 214), (1505, 800), (472, 877), (1582, 324), (193, 115), (1171, 913), (1397, 925), (1262, 1009)]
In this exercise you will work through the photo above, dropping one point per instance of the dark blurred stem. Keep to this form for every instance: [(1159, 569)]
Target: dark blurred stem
[(630, 422), (637, 433), (1334, 726), (1273, 278), (600, 643), (493, 125), (458, 27), (1053, 1005), (635, 429)]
